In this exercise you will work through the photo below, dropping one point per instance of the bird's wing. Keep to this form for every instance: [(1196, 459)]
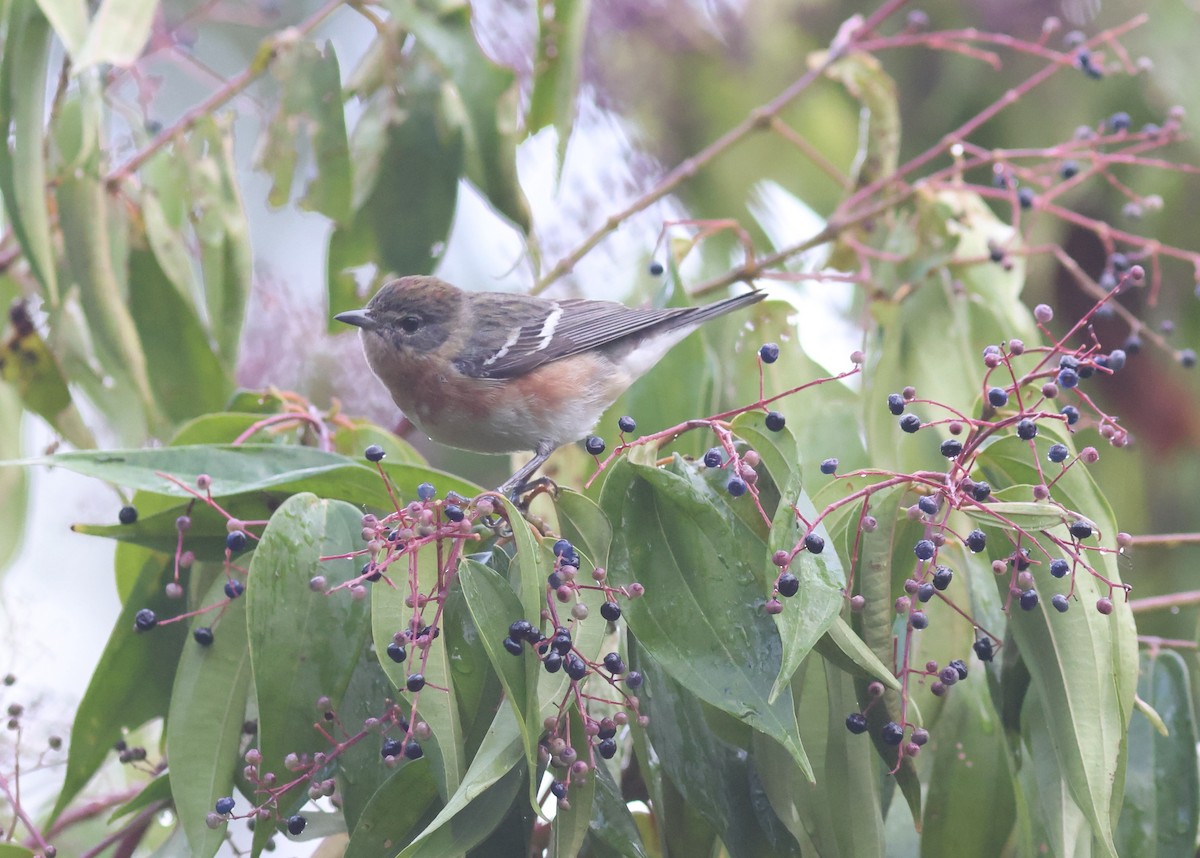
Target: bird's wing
[(540, 331)]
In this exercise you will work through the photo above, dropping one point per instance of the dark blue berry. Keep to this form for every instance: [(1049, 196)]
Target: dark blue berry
[(1068, 169), (552, 662), (391, 748), (224, 805), (127, 515), (1133, 344), (895, 403), (520, 630), (948, 675), (513, 647), (1187, 358), (606, 729), (575, 667), (1026, 429), (563, 547), (453, 513), (1080, 529), (736, 487), (1086, 370), (775, 421), (634, 679), (829, 466), (1068, 362), (910, 423), (925, 592), (144, 620), (374, 453), (558, 789), (976, 541), (295, 824), (1059, 568), (814, 543), (1021, 559), (611, 611), (892, 733), (1068, 378), (656, 269), (1116, 360), (415, 682), (1060, 603), (924, 549), (561, 644), (426, 492), (613, 663), (789, 585), (998, 397), (983, 649), (594, 444), (236, 541), (959, 666), (942, 576), (396, 652), (413, 750), (607, 748), (1119, 121), (856, 723), (918, 620), (369, 572), (203, 636), (769, 352), (554, 580), (1029, 600), (1071, 413), (1025, 197), (713, 458), (627, 424), (1057, 453), (951, 448), (981, 491), (234, 588), (928, 504)]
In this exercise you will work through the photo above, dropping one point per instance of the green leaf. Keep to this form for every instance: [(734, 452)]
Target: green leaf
[(1162, 795), (187, 377), (389, 615), (488, 93), (14, 482), (311, 116), (132, 682), (612, 823), (584, 525), (865, 79), (118, 33), (361, 769), (12, 850), (1081, 661), (843, 648), (703, 595), (487, 791), (969, 730), (303, 645), (22, 119), (208, 709), (1026, 514), (557, 69), (715, 778), (158, 791), (70, 21), (393, 813), (569, 829), (93, 236), (411, 206)]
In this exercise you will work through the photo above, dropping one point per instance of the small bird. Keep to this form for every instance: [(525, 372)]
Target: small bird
[(500, 373)]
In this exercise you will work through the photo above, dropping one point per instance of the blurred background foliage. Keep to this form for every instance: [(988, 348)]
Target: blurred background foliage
[(194, 194)]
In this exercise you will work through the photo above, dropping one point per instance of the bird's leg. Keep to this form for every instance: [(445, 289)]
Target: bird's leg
[(515, 484)]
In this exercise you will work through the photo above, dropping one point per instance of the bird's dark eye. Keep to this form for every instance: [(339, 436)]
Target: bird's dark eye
[(409, 324)]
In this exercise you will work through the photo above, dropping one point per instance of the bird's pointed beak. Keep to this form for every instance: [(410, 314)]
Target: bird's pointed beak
[(358, 318)]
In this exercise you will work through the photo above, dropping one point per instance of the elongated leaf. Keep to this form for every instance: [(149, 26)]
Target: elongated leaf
[(439, 709), (70, 21), (14, 482), (612, 823), (1026, 514), (570, 827), (118, 33), (1081, 661), (584, 524), (1162, 796), (703, 595), (12, 850), (390, 818), (361, 768), (487, 790), (132, 682), (842, 647), (22, 118), (303, 645), (715, 778)]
